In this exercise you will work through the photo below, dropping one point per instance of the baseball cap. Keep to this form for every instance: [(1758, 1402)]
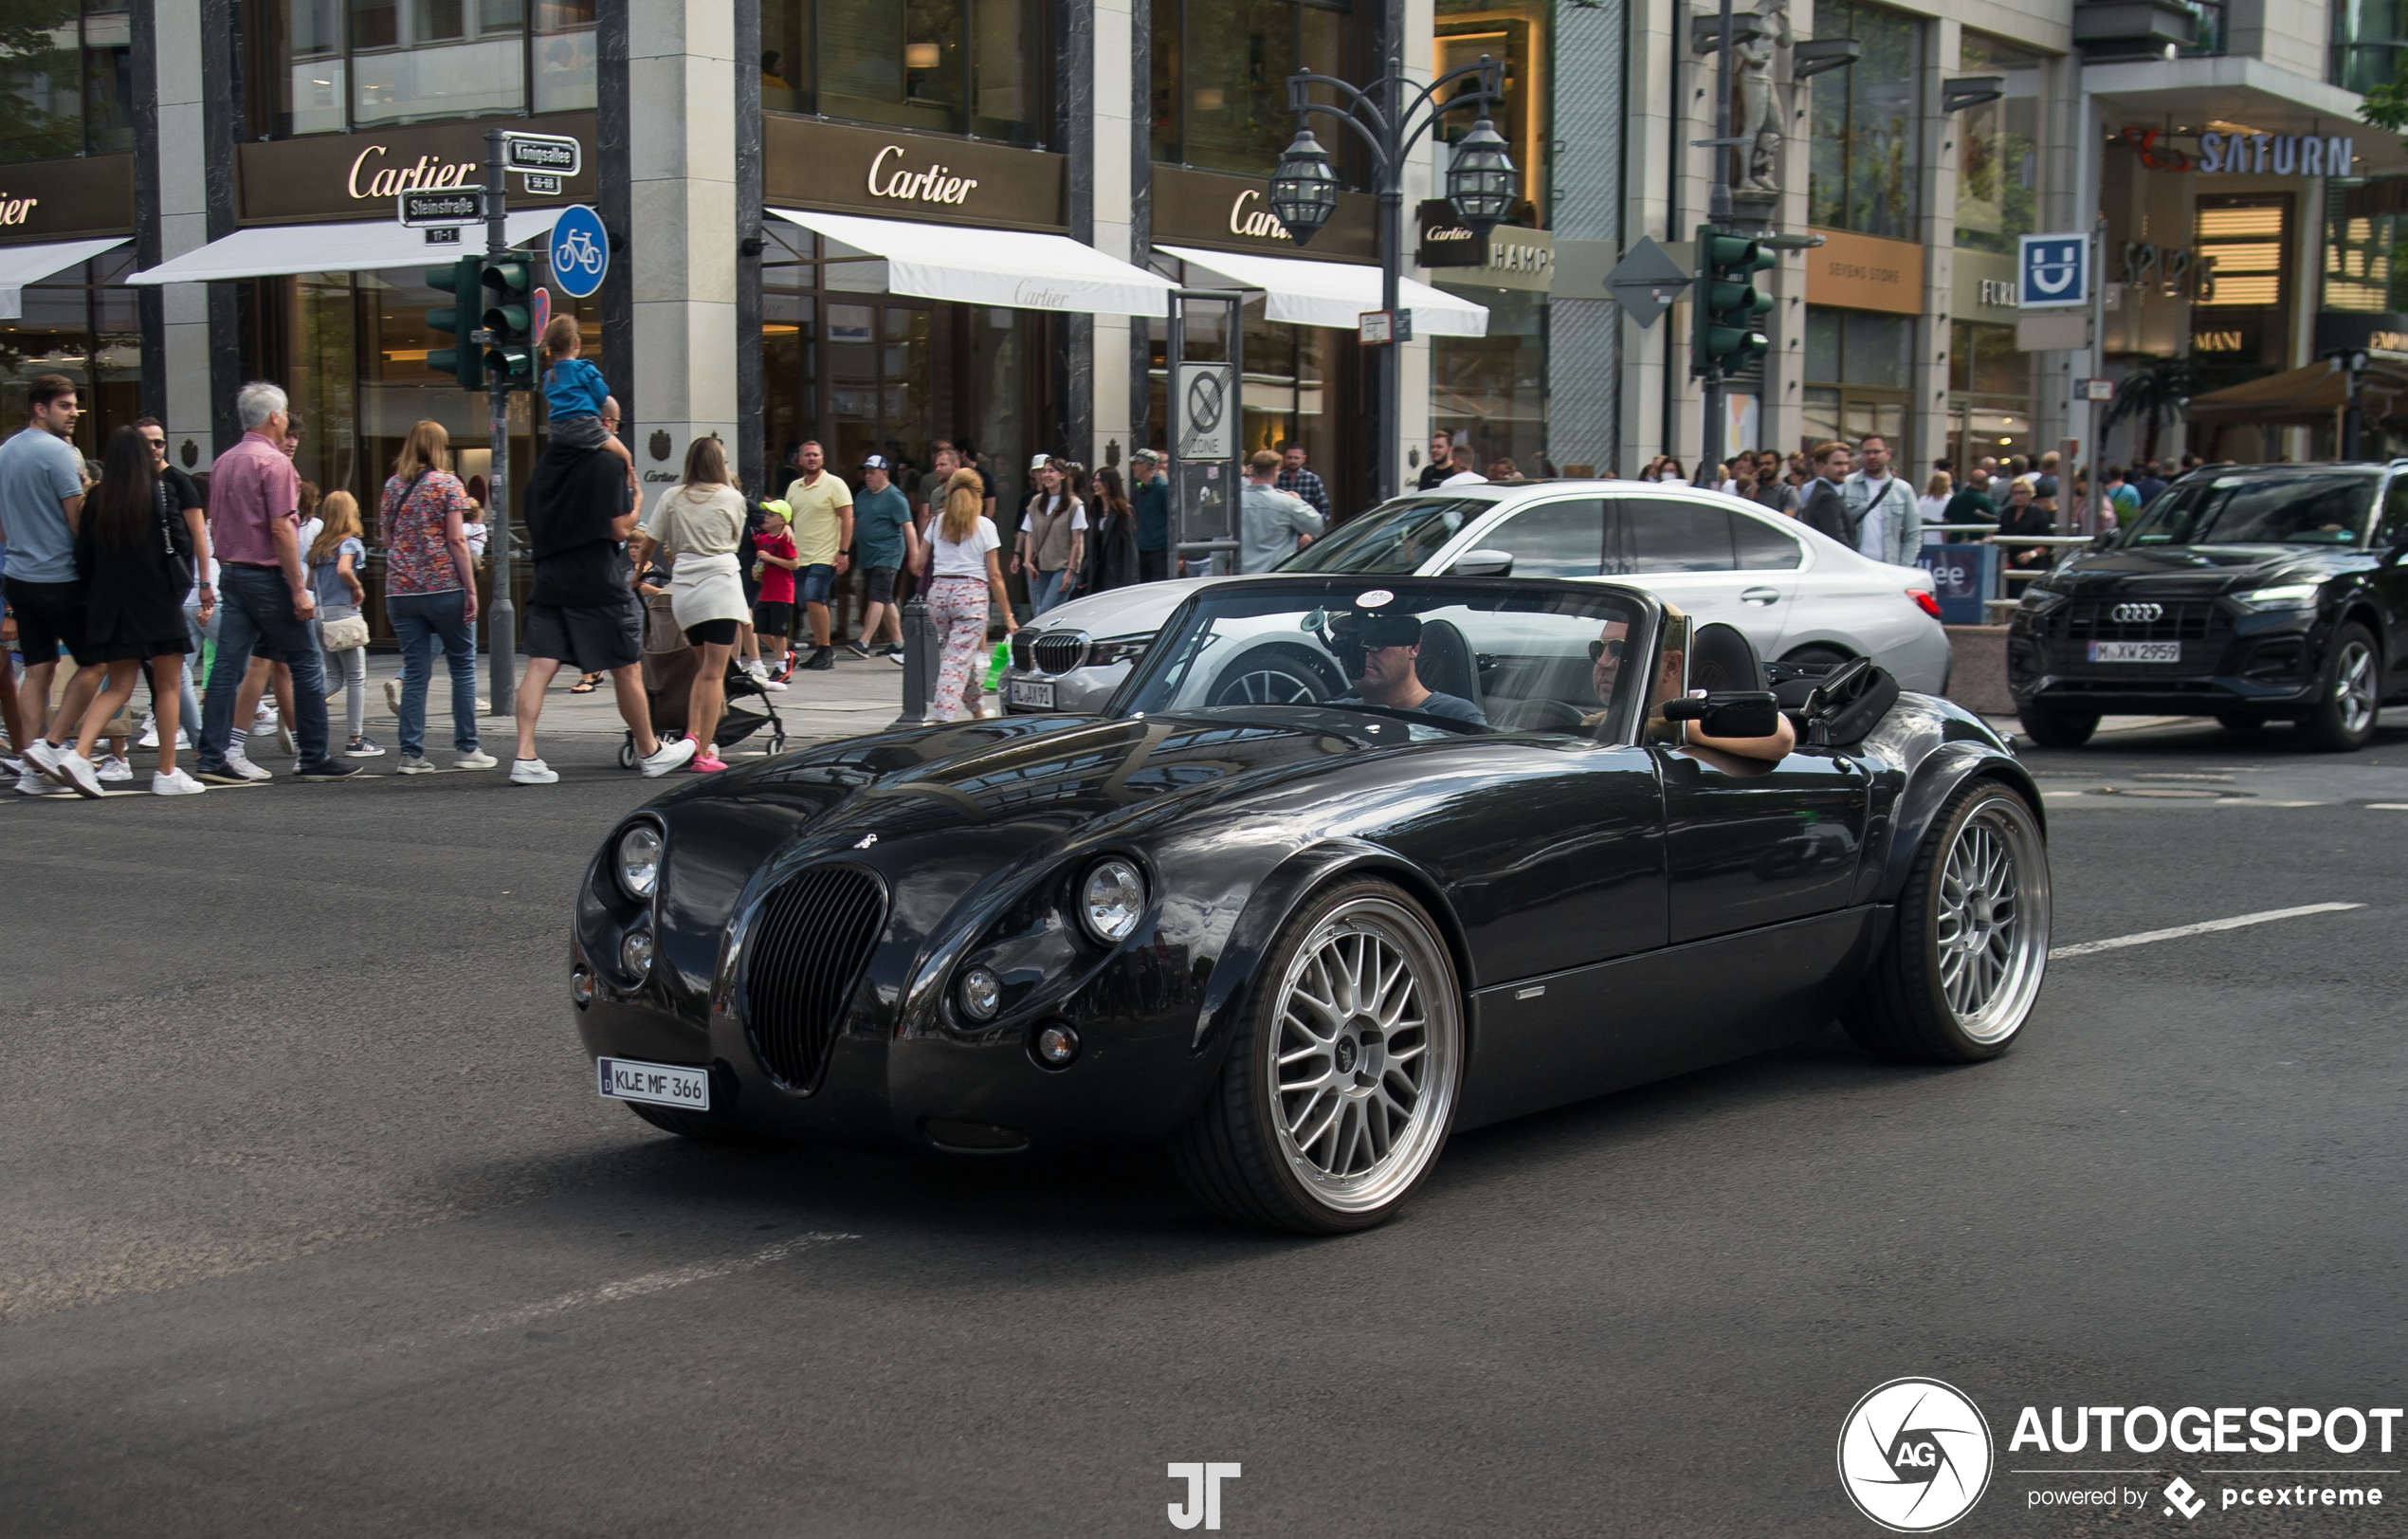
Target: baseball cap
[(1147, 455), (874, 462), (1040, 462)]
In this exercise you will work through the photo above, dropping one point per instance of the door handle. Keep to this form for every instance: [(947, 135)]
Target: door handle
[(1759, 595)]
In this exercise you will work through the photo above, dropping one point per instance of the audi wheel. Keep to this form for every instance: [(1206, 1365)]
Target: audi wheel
[(2349, 693)]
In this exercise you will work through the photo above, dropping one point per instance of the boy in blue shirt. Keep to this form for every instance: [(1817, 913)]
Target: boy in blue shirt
[(574, 390)]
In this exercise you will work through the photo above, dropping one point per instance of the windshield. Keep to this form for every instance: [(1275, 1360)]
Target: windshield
[(1394, 537), (1443, 656), (2308, 507)]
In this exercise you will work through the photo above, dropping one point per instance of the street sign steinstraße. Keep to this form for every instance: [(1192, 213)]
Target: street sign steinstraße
[(441, 206)]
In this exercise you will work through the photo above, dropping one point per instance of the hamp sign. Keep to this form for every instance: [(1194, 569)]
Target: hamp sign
[(2053, 271)]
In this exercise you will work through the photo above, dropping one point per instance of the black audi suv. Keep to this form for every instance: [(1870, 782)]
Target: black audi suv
[(2246, 592)]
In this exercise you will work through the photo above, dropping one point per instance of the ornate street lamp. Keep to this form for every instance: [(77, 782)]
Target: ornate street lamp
[(1480, 182), (1304, 188)]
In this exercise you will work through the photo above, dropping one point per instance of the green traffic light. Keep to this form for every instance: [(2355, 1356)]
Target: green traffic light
[(463, 280)]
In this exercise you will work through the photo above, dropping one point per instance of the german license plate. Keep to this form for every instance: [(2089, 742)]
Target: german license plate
[(1036, 693), (661, 1084), (2135, 651)]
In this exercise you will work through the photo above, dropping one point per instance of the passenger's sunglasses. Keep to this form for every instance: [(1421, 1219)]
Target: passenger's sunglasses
[(1605, 649)]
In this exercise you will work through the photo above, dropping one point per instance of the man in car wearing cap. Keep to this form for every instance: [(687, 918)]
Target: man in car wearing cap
[(1391, 645)]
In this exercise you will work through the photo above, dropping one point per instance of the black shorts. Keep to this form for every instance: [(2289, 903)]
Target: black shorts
[(773, 617), (882, 586), (50, 615), (592, 639), (719, 632)]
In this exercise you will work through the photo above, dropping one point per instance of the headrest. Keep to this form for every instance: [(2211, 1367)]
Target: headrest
[(1723, 661)]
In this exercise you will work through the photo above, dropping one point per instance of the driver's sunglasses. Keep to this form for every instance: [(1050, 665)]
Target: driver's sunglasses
[(1605, 649)]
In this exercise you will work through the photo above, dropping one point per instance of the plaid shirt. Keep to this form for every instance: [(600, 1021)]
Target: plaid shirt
[(1305, 484)]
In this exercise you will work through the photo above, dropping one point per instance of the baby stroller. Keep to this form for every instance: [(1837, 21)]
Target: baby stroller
[(669, 675)]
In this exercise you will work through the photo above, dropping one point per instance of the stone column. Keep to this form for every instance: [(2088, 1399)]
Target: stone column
[(1407, 26), (173, 217), (1653, 109), (1111, 219), (1936, 228)]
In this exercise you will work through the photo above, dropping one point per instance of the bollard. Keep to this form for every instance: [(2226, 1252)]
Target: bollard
[(920, 662)]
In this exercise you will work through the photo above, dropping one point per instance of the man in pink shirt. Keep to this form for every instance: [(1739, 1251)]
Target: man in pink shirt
[(264, 599)]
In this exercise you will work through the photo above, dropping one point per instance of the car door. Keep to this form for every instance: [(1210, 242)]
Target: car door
[(1687, 550), (1560, 538)]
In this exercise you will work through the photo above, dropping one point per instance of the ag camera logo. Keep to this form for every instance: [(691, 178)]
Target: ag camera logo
[(1915, 1455)]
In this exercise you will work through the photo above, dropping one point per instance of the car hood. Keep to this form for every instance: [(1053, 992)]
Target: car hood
[(2203, 571), (1138, 610)]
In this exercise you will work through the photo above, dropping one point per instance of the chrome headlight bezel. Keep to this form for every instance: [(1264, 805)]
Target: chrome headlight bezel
[(635, 867), (979, 994), (1111, 899), (2281, 595)]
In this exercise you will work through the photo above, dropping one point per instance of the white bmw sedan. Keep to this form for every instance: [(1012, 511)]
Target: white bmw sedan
[(1798, 595)]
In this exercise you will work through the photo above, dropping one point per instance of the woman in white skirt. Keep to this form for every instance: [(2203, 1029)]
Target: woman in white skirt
[(697, 525)]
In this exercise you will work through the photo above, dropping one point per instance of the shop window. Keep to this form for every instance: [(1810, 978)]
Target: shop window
[(1220, 77), (65, 80), (1515, 34), (326, 67), (2368, 36), (2243, 240), (1998, 148), (942, 66), (1858, 371), (1491, 391), (82, 323), (1861, 161)]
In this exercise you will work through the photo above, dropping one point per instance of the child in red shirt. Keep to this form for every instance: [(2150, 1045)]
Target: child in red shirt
[(773, 612)]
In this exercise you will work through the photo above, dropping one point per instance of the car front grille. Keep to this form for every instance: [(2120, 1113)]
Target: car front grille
[(808, 945), (1059, 651), (2095, 619)]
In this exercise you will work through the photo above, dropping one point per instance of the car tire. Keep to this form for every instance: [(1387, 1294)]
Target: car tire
[(2241, 721), (1984, 852), (1279, 675), (2055, 729), (686, 1125), (1291, 1136), (2350, 692)]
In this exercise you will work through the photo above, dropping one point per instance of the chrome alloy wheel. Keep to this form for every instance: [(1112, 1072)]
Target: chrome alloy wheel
[(1364, 1055), (1265, 687), (2354, 686), (1992, 929)]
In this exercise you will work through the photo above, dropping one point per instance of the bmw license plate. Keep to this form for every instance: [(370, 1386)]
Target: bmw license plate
[(2135, 651), (1036, 693), (661, 1084)]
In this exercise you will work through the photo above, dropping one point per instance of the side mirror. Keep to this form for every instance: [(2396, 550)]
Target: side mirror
[(1747, 713), (1483, 563)]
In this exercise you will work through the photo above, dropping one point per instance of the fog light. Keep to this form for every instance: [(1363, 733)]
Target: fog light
[(636, 952), (580, 988), (982, 994), (1056, 1046)]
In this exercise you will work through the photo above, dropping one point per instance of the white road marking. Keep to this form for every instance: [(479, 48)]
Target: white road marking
[(643, 1287), (2203, 927), (2387, 806)]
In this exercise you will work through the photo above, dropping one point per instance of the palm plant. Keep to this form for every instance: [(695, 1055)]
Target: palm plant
[(2154, 392)]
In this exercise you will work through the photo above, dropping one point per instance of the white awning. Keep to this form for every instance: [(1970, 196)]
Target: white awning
[(1010, 267), (275, 250), (1335, 293), (23, 264)]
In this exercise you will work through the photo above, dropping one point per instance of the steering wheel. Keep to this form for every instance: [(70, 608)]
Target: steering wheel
[(1540, 715)]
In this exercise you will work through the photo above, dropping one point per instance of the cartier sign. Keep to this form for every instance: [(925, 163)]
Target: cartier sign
[(77, 195), (1222, 212), (358, 175), (889, 180), (848, 169), (372, 179)]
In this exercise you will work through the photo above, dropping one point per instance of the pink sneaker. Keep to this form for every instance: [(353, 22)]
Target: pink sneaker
[(707, 763)]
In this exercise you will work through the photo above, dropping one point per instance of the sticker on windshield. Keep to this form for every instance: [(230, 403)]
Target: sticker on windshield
[(1373, 597)]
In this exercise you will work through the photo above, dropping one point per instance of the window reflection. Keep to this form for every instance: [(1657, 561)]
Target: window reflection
[(82, 323), (1220, 77), (324, 67), (943, 67), (1861, 156), (65, 79)]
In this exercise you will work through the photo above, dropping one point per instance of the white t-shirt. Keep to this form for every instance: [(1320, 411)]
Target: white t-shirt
[(968, 559), (1465, 478)]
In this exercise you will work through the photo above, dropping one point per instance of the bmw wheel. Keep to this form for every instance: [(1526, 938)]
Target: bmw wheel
[(1339, 1091), (1274, 675), (1963, 967), (2349, 693)]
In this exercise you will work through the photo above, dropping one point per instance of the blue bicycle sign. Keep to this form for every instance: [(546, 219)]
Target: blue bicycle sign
[(580, 252)]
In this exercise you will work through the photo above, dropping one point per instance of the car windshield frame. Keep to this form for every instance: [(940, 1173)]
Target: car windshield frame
[(1355, 542), (1281, 594), (2207, 510)]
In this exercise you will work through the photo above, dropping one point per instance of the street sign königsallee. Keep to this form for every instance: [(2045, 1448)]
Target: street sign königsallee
[(544, 154), (442, 206)]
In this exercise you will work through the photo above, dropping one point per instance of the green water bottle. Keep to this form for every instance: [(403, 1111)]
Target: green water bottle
[(995, 665)]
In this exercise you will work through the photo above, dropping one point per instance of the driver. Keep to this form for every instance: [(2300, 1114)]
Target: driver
[(1606, 666), (1390, 647)]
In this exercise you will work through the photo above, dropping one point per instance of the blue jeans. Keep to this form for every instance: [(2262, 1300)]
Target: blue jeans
[(421, 622), (255, 615), (1044, 589)]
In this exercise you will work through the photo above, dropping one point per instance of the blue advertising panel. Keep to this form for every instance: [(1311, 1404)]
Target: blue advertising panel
[(2051, 271), (1961, 577)]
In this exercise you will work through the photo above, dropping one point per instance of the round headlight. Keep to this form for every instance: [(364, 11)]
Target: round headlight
[(639, 857), (982, 994), (1111, 899), (636, 952)]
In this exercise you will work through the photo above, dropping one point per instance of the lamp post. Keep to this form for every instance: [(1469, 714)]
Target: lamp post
[(1480, 183)]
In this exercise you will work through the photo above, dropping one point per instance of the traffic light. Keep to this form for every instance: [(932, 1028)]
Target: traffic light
[(464, 360), (510, 346), (1726, 310)]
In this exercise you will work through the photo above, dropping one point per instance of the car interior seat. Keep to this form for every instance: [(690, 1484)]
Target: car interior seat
[(1446, 665), (1723, 661)]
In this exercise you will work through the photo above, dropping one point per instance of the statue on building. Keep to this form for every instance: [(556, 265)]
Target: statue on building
[(1759, 108)]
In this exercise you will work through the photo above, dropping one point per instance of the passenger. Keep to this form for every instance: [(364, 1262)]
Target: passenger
[(1605, 654), (1390, 647)]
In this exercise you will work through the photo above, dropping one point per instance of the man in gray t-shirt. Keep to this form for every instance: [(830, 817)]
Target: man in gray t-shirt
[(40, 473), (41, 496), (1271, 525)]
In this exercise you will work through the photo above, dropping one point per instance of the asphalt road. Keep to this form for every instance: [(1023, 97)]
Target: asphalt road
[(312, 1223)]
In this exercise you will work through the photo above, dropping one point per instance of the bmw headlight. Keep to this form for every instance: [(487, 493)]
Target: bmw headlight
[(1110, 899), (1122, 649), (2285, 596), (638, 859)]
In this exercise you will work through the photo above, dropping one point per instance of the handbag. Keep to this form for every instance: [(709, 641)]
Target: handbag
[(347, 635)]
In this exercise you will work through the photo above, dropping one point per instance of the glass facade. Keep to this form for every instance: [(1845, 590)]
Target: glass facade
[(1859, 372), (938, 66), (82, 323), (1861, 162), (2367, 37), (1515, 34), (1989, 392), (65, 79), (1491, 391), (1998, 148), (328, 66), (1220, 79)]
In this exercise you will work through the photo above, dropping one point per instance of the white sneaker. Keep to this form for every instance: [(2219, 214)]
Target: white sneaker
[(769, 684), (416, 764), (174, 783), (43, 757), (672, 753), (532, 772), (32, 782), (263, 718), (240, 764), (113, 770), (475, 758), (76, 773), (150, 738), (757, 669)]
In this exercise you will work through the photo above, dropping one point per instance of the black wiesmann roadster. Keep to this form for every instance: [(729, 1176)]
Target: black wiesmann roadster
[(1510, 855)]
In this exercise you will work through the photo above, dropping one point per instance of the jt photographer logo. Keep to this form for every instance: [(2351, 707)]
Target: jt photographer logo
[(1203, 1504), (1914, 1456)]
